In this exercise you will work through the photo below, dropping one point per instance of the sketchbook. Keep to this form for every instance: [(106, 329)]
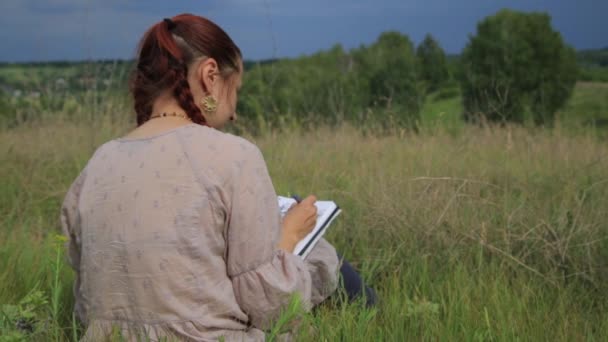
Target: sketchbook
[(326, 213)]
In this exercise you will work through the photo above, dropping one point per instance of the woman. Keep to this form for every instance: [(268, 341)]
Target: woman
[(175, 228)]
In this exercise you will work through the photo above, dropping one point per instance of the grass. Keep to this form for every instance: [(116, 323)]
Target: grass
[(466, 233), (589, 105)]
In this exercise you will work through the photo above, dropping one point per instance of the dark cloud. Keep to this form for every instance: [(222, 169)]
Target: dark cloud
[(83, 29)]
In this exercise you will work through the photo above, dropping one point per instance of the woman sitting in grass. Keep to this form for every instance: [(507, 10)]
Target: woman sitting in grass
[(175, 228)]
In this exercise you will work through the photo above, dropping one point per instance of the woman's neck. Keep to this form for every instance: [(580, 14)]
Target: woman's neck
[(166, 104)]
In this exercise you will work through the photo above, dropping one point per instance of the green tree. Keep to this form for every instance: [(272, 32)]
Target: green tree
[(517, 68), (389, 67), (432, 62), (371, 83)]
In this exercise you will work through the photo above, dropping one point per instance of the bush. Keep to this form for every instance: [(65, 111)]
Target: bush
[(593, 74), (448, 91), (517, 68)]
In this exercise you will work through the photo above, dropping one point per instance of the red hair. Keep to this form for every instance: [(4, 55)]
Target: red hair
[(164, 54)]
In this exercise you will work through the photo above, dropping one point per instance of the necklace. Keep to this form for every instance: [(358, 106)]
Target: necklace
[(164, 114)]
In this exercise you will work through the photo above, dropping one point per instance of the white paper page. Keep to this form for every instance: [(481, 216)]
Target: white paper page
[(324, 211)]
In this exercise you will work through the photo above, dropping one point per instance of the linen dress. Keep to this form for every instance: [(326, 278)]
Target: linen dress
[(175, 235)]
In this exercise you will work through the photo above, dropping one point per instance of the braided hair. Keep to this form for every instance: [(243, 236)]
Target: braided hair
[(164, 54)]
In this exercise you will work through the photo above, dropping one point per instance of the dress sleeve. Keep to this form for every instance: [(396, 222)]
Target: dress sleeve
[(71, 228), (264, 277), (323, 265)]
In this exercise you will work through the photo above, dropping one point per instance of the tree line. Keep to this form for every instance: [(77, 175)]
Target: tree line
[(515, 68)]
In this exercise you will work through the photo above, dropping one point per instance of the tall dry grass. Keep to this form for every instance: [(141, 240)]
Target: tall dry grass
[(488, 234)]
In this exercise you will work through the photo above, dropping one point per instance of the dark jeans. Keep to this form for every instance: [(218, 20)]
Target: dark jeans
[(352, 284)]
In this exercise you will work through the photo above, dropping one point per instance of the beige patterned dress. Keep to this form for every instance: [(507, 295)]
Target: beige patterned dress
[(176, 235)]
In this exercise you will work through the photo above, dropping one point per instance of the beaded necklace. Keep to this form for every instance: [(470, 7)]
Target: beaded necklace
[(165, 114)]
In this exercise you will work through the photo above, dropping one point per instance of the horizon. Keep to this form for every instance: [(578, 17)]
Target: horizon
[(128, 60), (77, 31)]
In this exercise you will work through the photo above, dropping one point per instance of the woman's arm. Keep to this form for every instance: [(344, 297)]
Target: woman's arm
[(264, 277), (71, 228)]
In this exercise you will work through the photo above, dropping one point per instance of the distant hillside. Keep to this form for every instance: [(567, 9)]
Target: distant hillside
[(594, 57), (586, 57)]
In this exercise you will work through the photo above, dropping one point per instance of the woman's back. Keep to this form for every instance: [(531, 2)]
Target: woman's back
[(178, 233), (168, 243)]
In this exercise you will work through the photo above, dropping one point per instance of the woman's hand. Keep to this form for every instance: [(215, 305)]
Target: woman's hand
[(298, 222)]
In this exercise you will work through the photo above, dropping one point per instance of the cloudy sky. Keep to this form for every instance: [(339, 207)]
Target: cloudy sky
[(38, 30)]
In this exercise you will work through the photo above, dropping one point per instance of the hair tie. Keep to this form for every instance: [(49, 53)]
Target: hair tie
[(170, 24)]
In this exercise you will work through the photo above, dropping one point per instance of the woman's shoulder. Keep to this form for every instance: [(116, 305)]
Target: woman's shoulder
[(101, 155), (221, 143), (97, 158), (219, 155)]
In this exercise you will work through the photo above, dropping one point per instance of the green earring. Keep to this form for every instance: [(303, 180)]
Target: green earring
[(209, 104)]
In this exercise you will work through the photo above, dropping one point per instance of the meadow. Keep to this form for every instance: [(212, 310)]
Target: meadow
[(476, 233)]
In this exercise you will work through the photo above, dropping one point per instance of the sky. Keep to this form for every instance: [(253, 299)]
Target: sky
[(43, 30)]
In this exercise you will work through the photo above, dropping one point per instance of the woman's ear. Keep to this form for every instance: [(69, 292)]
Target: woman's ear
[(208, 72)]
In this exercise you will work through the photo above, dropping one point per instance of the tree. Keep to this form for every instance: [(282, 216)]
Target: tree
[(370, 85), (389, 67), (517, 68), (432, 63)]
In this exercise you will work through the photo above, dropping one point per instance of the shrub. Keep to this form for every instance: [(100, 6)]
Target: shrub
[(517, 68)]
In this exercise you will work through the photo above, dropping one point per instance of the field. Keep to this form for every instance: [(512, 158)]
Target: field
[(467, 233)]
